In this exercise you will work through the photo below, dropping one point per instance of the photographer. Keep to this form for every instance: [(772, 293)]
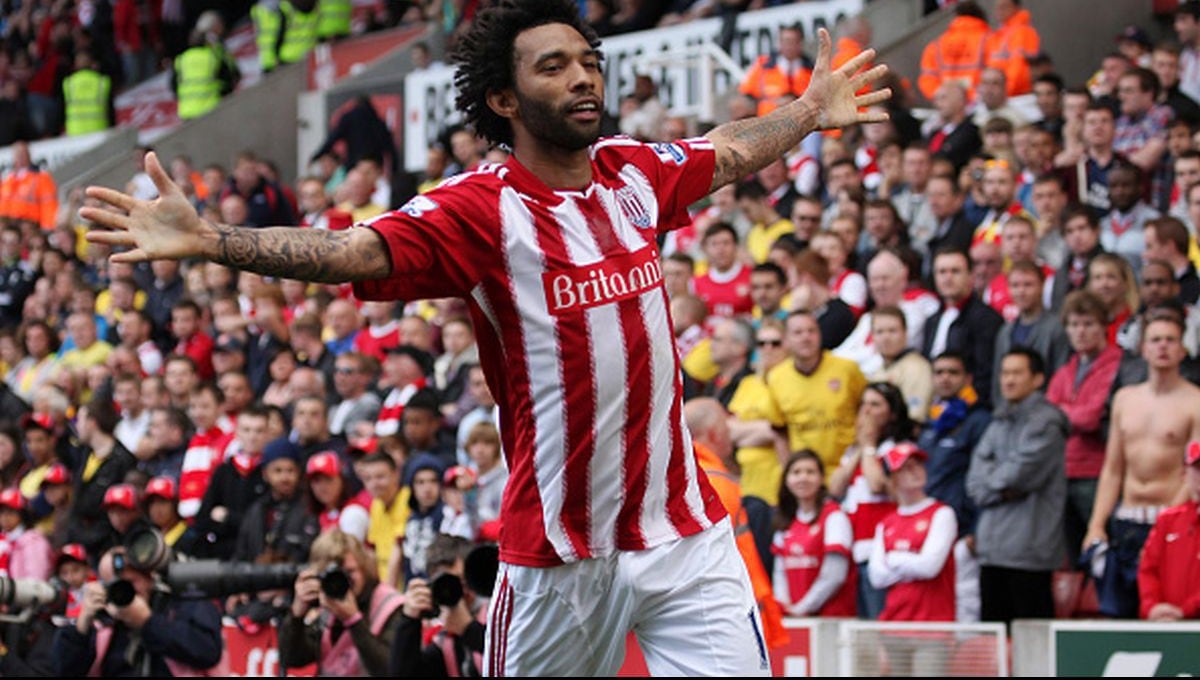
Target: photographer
[(341, 616), (149, 635), (451, 597)]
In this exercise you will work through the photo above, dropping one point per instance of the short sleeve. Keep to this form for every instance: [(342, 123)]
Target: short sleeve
[(681, 173), (436, 242), (839, 536)]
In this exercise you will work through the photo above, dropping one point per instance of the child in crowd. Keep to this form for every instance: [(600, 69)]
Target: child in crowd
[(159, 498), (24, 553), (460, 517), (71, 568)]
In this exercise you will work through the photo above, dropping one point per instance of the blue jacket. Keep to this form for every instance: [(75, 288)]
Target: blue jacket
[(949, 442)]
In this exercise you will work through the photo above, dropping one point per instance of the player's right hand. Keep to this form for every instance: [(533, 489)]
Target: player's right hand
[(167, 227)]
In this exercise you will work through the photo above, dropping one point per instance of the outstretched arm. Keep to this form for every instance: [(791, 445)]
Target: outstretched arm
[(744, 146), (169, 228)]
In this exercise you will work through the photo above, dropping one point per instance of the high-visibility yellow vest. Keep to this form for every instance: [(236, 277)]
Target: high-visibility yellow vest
[(197, 87), (267, 23), (86, 95), (333, 18), (299, 33)]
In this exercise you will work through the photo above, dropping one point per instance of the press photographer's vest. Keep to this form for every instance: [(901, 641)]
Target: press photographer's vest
[(341, 658), (104, 635)]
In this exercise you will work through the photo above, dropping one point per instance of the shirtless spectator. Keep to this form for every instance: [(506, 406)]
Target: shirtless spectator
[(1151, 424)]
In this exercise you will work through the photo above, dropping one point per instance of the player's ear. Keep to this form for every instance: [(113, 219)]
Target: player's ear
[(503, 103)]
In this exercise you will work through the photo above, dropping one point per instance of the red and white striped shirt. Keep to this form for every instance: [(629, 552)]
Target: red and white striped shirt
[(204, 453), (566, 294), (388, 421)]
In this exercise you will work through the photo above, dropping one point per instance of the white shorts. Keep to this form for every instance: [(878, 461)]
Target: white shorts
[(689, 602)]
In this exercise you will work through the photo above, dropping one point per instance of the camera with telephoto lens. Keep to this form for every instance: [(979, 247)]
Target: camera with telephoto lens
[(335, 582), (147, 551)]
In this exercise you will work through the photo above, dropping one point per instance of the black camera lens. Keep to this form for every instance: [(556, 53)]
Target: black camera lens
[(335, 582), (447, 589), (120, 592)]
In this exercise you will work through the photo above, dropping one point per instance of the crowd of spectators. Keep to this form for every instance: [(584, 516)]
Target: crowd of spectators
[(956, 356)]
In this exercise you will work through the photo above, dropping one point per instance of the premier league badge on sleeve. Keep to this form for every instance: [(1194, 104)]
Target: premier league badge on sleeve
[(418, 205)]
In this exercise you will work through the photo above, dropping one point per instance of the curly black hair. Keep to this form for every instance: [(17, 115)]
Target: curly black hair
[(485, 57)]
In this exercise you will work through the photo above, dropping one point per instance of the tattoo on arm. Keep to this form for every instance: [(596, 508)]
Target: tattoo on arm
[(744, 146), (307, 254)]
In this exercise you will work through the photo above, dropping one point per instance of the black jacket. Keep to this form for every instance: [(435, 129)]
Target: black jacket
[(411, 659), (89, 522), (973, 334), (188, 631), (227, 488), (290, 531)]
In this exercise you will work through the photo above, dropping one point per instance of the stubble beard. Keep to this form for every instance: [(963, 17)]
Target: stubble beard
[(553, 126)]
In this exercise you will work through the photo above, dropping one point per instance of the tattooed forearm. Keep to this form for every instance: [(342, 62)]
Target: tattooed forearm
[(744, 146), (306, 254)]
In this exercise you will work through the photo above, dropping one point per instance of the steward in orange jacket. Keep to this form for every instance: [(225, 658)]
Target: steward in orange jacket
[(28, 193), (960, 53), (1012, 44), (775, 78)]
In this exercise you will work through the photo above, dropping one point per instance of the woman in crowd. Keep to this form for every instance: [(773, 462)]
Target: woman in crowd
[(860, 480), (483, 447), (37, 368), (813, 571), (1111, 278), (279, 389)]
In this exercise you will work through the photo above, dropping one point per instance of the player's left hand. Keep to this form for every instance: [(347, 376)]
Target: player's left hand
[(834, 94)]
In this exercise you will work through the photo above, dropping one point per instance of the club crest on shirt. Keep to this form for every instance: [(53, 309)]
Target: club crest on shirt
[(632, 208), (922, 526), (418, 205), (835, 385), (670, 152)]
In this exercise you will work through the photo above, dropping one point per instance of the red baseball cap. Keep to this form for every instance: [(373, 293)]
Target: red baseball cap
[(12, 498), (900, 454), (41, 421), (71, 551), (457, 471), (57, 474), (121, 495), (323, 463), (163, 487), (364, 445), (1192, 455)]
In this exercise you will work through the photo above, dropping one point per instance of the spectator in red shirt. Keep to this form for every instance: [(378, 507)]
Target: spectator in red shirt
[(190, 340), (1169, 571), (725, 286)]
